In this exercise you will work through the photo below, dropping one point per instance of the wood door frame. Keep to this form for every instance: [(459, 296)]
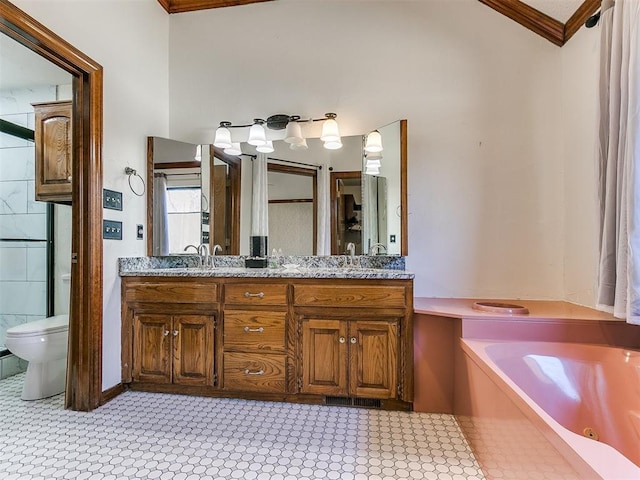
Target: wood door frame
[(84, 359), (307, 172), (235, 183), (334, 177)]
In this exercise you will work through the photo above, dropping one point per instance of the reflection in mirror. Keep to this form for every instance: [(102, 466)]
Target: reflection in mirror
[(192, 189), (302, 219), (383, 228)]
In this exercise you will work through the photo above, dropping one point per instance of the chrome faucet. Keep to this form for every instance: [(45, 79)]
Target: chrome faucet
[(216, 248), (203, 251), (197, 249), (377, 246)]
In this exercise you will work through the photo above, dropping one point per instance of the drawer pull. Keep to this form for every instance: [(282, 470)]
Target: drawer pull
[(258, 295), (249, 372), (342, 340), (166, 332), (353, 340), (257, 330), (175, 333)]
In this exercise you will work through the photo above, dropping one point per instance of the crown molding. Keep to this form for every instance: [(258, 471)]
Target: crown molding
[(180, 6), (538, 22)]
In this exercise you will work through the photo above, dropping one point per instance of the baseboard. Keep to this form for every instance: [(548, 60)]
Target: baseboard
[(111, 393)]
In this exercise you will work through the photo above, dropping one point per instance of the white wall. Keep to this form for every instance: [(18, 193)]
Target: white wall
[(579, 104), (482, 99), (130, 40)]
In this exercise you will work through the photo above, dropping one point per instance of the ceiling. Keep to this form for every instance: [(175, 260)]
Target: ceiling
[(555, 20)]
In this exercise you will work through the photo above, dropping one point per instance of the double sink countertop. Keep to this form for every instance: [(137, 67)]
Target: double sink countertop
[(384, 267)]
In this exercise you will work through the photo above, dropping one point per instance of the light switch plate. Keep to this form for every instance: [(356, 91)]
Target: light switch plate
[(111, 199), (111, 230)]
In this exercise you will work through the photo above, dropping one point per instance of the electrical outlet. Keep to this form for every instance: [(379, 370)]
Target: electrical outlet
[(392, 239), (111, 199), (139, 232), (111, 230)]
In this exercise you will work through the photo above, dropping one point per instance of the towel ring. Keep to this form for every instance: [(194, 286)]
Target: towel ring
[(132, 173)]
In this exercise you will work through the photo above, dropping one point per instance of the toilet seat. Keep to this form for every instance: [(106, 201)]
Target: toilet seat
[(37, 328)]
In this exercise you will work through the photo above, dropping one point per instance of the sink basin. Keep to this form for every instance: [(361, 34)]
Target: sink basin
[(499, 307)]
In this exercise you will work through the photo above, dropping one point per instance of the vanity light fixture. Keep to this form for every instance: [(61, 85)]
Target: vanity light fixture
[(374, 142), (266, 148), (223, 136), (373, 163), (234, 149), (257, 135), (293, 136)]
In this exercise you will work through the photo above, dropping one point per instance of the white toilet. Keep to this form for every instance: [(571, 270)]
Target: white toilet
[(43, 343)]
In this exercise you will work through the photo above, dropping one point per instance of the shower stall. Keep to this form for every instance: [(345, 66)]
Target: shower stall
[(26, 237)]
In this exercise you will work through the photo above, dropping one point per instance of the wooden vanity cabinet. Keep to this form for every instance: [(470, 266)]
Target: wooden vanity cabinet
[(351, 342), (302, 340), (350, 358), (53, 153), (173, 349), (168, 334), (256, 355)]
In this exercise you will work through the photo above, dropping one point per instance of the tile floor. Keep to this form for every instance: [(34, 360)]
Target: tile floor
[(146, 435)]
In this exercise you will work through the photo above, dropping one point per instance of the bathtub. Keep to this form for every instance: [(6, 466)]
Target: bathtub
[(534, 409)]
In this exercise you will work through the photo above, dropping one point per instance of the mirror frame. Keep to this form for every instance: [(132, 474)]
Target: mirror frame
[(84, 358), (404, 194)]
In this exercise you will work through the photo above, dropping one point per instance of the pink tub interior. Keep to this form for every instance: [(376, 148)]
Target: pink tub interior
[(588, 389)]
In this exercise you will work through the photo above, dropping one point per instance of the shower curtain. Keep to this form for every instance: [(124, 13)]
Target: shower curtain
[(324, 212), (160, 216), (260, 198), (618, 161)]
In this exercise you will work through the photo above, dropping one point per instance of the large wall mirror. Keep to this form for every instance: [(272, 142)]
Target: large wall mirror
[(199, 195)]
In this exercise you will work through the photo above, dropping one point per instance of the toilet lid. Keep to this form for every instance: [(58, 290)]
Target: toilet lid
[(59, 323)]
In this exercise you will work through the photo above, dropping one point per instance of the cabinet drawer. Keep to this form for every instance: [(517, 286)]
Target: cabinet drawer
[(254, 372), (254, 330), (256, 294), (349, 296), (172, 292)]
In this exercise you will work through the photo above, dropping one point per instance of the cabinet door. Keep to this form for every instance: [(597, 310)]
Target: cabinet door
[(53, 128), (373, 359), (152, 348), (324, 357), (193, 349)]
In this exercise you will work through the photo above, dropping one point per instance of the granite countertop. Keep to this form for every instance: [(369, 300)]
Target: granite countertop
[(356, 273), (378, 267)]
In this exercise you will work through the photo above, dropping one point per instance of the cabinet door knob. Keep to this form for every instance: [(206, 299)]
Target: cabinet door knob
[(258, 330), (249, 372), (353, 340), (342, 339), (166, 332), (258, 295), (175, 333)]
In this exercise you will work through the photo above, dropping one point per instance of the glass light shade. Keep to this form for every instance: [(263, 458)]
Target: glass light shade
[(371, 170), (293, 133), (333, 145), (330, 132), (374, 142), (257, 135), (234, 149), (299, 145), (198, 155), (266, 148), (223, 138), (373, 162)]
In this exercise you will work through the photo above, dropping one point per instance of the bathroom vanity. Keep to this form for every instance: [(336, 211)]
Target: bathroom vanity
[(314, 335)]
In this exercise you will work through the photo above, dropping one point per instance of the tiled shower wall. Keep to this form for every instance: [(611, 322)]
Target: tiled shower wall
[(22, 264)]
